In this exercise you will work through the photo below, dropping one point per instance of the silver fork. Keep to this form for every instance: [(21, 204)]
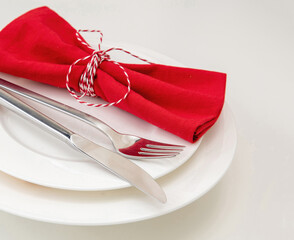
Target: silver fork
[(129, 146)]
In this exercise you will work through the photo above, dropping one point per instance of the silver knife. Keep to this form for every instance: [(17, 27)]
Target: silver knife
[(115, 163)]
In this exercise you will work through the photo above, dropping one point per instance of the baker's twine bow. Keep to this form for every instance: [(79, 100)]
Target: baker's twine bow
[(86, 82)]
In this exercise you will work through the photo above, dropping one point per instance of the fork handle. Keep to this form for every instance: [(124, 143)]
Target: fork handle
[(100, 125), (26, 111)]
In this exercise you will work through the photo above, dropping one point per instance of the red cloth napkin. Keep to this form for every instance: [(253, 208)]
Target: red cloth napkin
[(40, 45)]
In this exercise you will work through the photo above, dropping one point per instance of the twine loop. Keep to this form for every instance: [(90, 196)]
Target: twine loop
[(86, 81)]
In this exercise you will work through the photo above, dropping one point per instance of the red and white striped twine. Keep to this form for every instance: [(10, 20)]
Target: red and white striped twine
[(86, 83)]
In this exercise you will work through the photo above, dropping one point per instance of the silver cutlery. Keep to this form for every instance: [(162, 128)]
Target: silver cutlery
[(115, 163), (129, 146)]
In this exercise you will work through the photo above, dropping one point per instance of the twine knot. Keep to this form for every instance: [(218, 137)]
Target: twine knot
[(86, 81)]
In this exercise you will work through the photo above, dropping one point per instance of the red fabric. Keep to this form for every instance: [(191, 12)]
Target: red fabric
[(40, 45)]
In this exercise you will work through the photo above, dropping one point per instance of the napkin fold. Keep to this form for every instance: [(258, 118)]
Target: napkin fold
[(40, 45)]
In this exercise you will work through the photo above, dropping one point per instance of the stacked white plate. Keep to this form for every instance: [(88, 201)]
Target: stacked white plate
[(42, 178)]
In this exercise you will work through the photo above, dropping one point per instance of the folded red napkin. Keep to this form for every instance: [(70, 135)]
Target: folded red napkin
[(41, 46)]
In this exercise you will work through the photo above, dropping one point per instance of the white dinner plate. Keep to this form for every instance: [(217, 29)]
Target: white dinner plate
[(33, 155), (184, 185)]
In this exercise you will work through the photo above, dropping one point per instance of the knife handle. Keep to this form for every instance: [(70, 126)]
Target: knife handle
[(87, 118), (26, 111)]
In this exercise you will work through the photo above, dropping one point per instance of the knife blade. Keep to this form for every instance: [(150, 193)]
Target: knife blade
[(113, 162)]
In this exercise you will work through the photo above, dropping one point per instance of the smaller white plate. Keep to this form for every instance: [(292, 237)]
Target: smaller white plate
[(33, 155)]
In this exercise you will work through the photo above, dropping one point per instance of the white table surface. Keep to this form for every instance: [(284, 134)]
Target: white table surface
[(252, 41)]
